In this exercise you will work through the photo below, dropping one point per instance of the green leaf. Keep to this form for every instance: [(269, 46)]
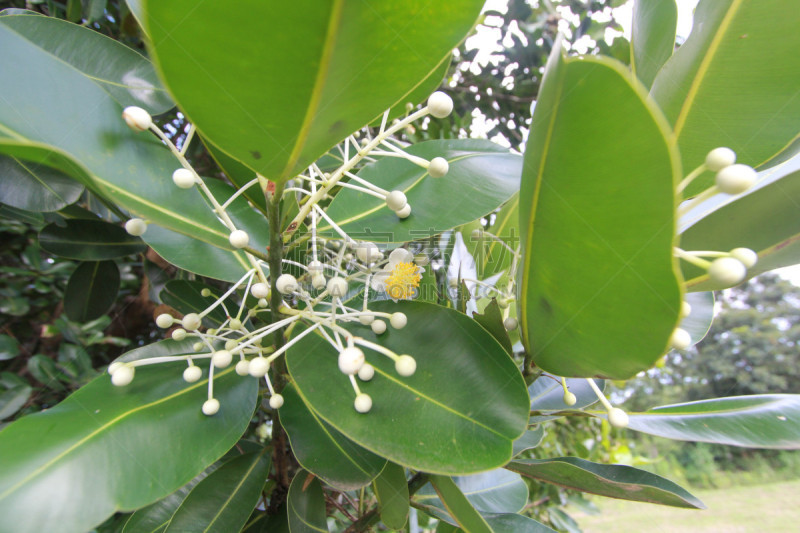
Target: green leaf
[(492, 321), (758, 421), (421, 421), (306, 504), (186, 297), (490, 255), (223, 501), (91, 290), (482, 176), (160, 349), (458, 505), (13, 399), (128, 77), (9, 347), (35, 187), (496, 491), (547, 394), (89, 240), (529, 440), (613, 481), (99, 455), (652, 37), (322, 450), (598, 291), (514, 523), (763, 219), (699, 320), (391, 489), (732, 83), (340, 65)]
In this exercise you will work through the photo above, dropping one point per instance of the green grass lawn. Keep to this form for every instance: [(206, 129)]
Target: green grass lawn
[(760, 508)]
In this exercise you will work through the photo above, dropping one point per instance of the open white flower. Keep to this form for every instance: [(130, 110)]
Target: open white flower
[(400, 277)]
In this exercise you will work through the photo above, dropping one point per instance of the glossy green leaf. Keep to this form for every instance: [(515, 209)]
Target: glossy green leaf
[(492, 321), (699, 320), (322, 450), (496, 491), (306, 504), (763, 219), (598, 293), (35, 187), (529, 440), (341, 64), (186, 297), (652, 37), (89, 240), (91, 290), (514, 523), (99, 456), (132, 170), (458, 505), (758, 421), (124, 74), (13, 399), (223, 501), (9, 347), (439, 419), (613, 481), (733, 83), (159, 349), (482, 176), (490, 255), (547, 394), (155, 517), (391, 489)]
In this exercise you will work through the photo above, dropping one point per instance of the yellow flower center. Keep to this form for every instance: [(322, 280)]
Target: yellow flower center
[(403, 281)]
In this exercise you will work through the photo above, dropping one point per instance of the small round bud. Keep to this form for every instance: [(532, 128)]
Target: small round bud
[(727, 271), (452, 282), (231, 344), (363, 403), (398, 320), (686, 309), (183, 178), (366, 372), (438, 167), (366, 319), (378, 327), (570, 399), (276, 401), (235, 324), (503, 302), (350, 360), (405, 365), (337, 287), (137, 118), (736, 179), (210, 407), (259, 367), (259, 290), (405, 212), (262, 302), (747, 256), (239, 238), (123, 375), (510, 323), (211, 331), (192, 374), (197, 346), (136, 227), (719, 158), (205, 293), (222, 358), (617, 417), (263, 431), (286, 284), (367, 252), (243, 367), (113, 367), (396, 200), (439, 104), (315, 267), (318, 281), (476, 234), (409, 107), (191, 321), (164, 320), (178, 334), (680, 339)]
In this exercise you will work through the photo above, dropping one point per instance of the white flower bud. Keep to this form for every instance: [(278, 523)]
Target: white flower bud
[(366, 319), (178, 334), (259, 290), (191, 321), (736, 179), (192, 374), (113, 367), (259, 367), (242, 368), (719, 158), (231, 344), (570, 399), (366, 372), (438, 167), (262, 302), (136, 227), (510, 323), (396, 200), (617, 417), (164, 320), (137, 118), (367, 252), (398, 320), (205, 293), (337, 287), (235, 324), (222, 358), (315, 267), (197, 346), (439, 104), (239, 238), (405, 212), (286, 284), (686, 309), (405, 365), (318, 281), (122, 375), (183, 178), (363, 403), (210, 407), (727, 271), (680, 339), (378, 327), (276, 401), (748, 257), (351, 360)]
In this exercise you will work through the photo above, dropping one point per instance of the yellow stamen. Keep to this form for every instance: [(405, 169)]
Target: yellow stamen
[(403, 281)]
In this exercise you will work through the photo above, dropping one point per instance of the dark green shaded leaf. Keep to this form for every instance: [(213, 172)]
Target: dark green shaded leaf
[(496, 491), (758, 421), (492, 321), (514, 523), (9, 347), (13, 399), (613, 481), (89, 240), (458, 505), (529, 440), (306, 504), (35, 187), (598, 291), (99, 455), (437, 420), (391, 489), (91, 290), (186, 297), (652, 37)]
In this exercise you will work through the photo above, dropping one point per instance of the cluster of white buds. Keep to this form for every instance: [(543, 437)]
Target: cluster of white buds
[(731, 177)]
